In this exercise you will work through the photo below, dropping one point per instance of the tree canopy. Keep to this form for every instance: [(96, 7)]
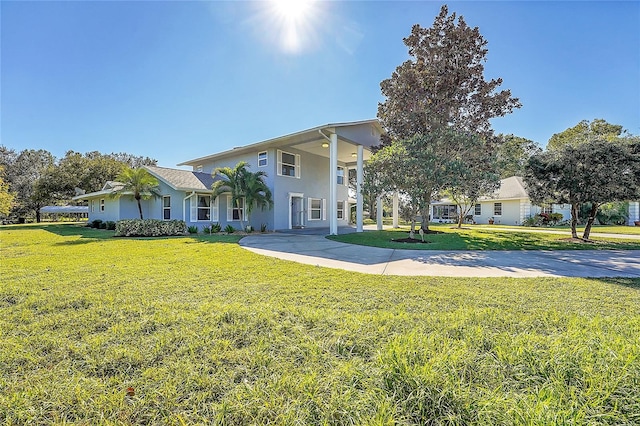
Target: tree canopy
[(243, 184), (584, 131), (138, 183), (443, 83), (513, 153), (595, 171)]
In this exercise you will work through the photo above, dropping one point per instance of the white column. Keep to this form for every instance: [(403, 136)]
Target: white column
[(333, 185), (379, 213), (634, 212), (359, 180), (395, 210)]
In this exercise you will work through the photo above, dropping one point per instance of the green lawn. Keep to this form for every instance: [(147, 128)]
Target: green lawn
[(606, 229), (206, 332), (480, 238)]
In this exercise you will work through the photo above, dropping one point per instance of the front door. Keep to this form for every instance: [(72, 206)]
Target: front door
[(297, 212)]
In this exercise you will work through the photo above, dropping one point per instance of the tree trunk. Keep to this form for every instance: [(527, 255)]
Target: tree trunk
[(425, 212), (460, 218), (240, 214), (592, 218), (38, 215), (574, 220), (139, 207)]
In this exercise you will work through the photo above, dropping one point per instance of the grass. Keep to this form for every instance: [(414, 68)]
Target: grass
[(206, 332), (481, 238), (605, 229)]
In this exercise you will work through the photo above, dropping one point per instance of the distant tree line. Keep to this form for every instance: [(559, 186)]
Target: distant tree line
[(31, 179)]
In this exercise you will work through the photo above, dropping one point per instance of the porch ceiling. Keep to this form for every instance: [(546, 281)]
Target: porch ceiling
[(346, 149)]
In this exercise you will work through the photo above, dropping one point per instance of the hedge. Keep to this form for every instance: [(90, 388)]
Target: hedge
[(149, 228)]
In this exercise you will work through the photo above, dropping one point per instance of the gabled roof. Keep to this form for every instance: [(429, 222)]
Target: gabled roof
[(510, 188), (275, 141), (183, 180)]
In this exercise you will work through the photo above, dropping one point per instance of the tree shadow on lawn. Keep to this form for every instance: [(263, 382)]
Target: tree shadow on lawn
[(88, 235)]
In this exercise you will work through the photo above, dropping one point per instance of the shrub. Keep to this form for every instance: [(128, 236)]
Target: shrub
[(554, 218), (96, 223), (229, 229), (103, 225), (215, 228), (149, 228), (111, 225), (248, 228), (263, 227), (192, 229), (206, 229)]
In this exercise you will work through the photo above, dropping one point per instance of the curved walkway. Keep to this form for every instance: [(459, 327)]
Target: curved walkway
[(317, 250)]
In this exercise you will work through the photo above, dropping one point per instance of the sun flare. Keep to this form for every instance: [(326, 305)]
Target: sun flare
[(293, 23)]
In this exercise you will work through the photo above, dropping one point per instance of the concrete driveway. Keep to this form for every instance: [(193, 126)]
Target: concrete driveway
[(317, 250)]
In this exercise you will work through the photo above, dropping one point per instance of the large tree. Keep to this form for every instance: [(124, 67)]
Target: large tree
[(87, 172), (513, 153), (595, 171), (138, 183), (6, 197), (425, 165), (243, 184), (25, 172), (436, 103), (443, 83), (585, 131)]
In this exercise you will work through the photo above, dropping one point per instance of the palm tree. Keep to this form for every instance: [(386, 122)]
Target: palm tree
[(241, 183), (139, 183)]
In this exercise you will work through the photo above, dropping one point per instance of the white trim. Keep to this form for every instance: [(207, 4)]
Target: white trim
[(291, 196), (195, 208), (318, 209), (215, 216), (231, 208), (296, 165), (266, 159), (164, 207)]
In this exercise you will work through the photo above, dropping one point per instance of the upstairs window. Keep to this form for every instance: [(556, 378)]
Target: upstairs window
[(288, 164), (340, 175), (199, 168), (262, 159)]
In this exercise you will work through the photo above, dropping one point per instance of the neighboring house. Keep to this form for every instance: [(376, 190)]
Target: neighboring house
[(509, 205), (306, 171)]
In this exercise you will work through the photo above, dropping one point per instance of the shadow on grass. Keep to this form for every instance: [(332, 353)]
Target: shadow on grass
[(87, 235)]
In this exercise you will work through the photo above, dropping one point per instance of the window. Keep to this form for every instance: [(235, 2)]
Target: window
[(288, 164), (546, 209), (204, 207), (233, 211), (445, 212), (497, 209), (199, 168), (478, 210), (315, 209), (262, 159), (340, 209), (166, 207), (102, 205), (340, 175)]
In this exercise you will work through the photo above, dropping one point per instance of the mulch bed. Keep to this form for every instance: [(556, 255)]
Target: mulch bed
[(410, 240)]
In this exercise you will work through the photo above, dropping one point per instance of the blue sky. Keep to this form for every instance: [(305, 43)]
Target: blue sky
[(178, 80)]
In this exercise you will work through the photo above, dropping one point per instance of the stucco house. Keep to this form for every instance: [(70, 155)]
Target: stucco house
[(508, 205), (307, 172)]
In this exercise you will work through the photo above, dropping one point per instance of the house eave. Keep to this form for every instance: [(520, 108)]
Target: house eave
[(279, 141)]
